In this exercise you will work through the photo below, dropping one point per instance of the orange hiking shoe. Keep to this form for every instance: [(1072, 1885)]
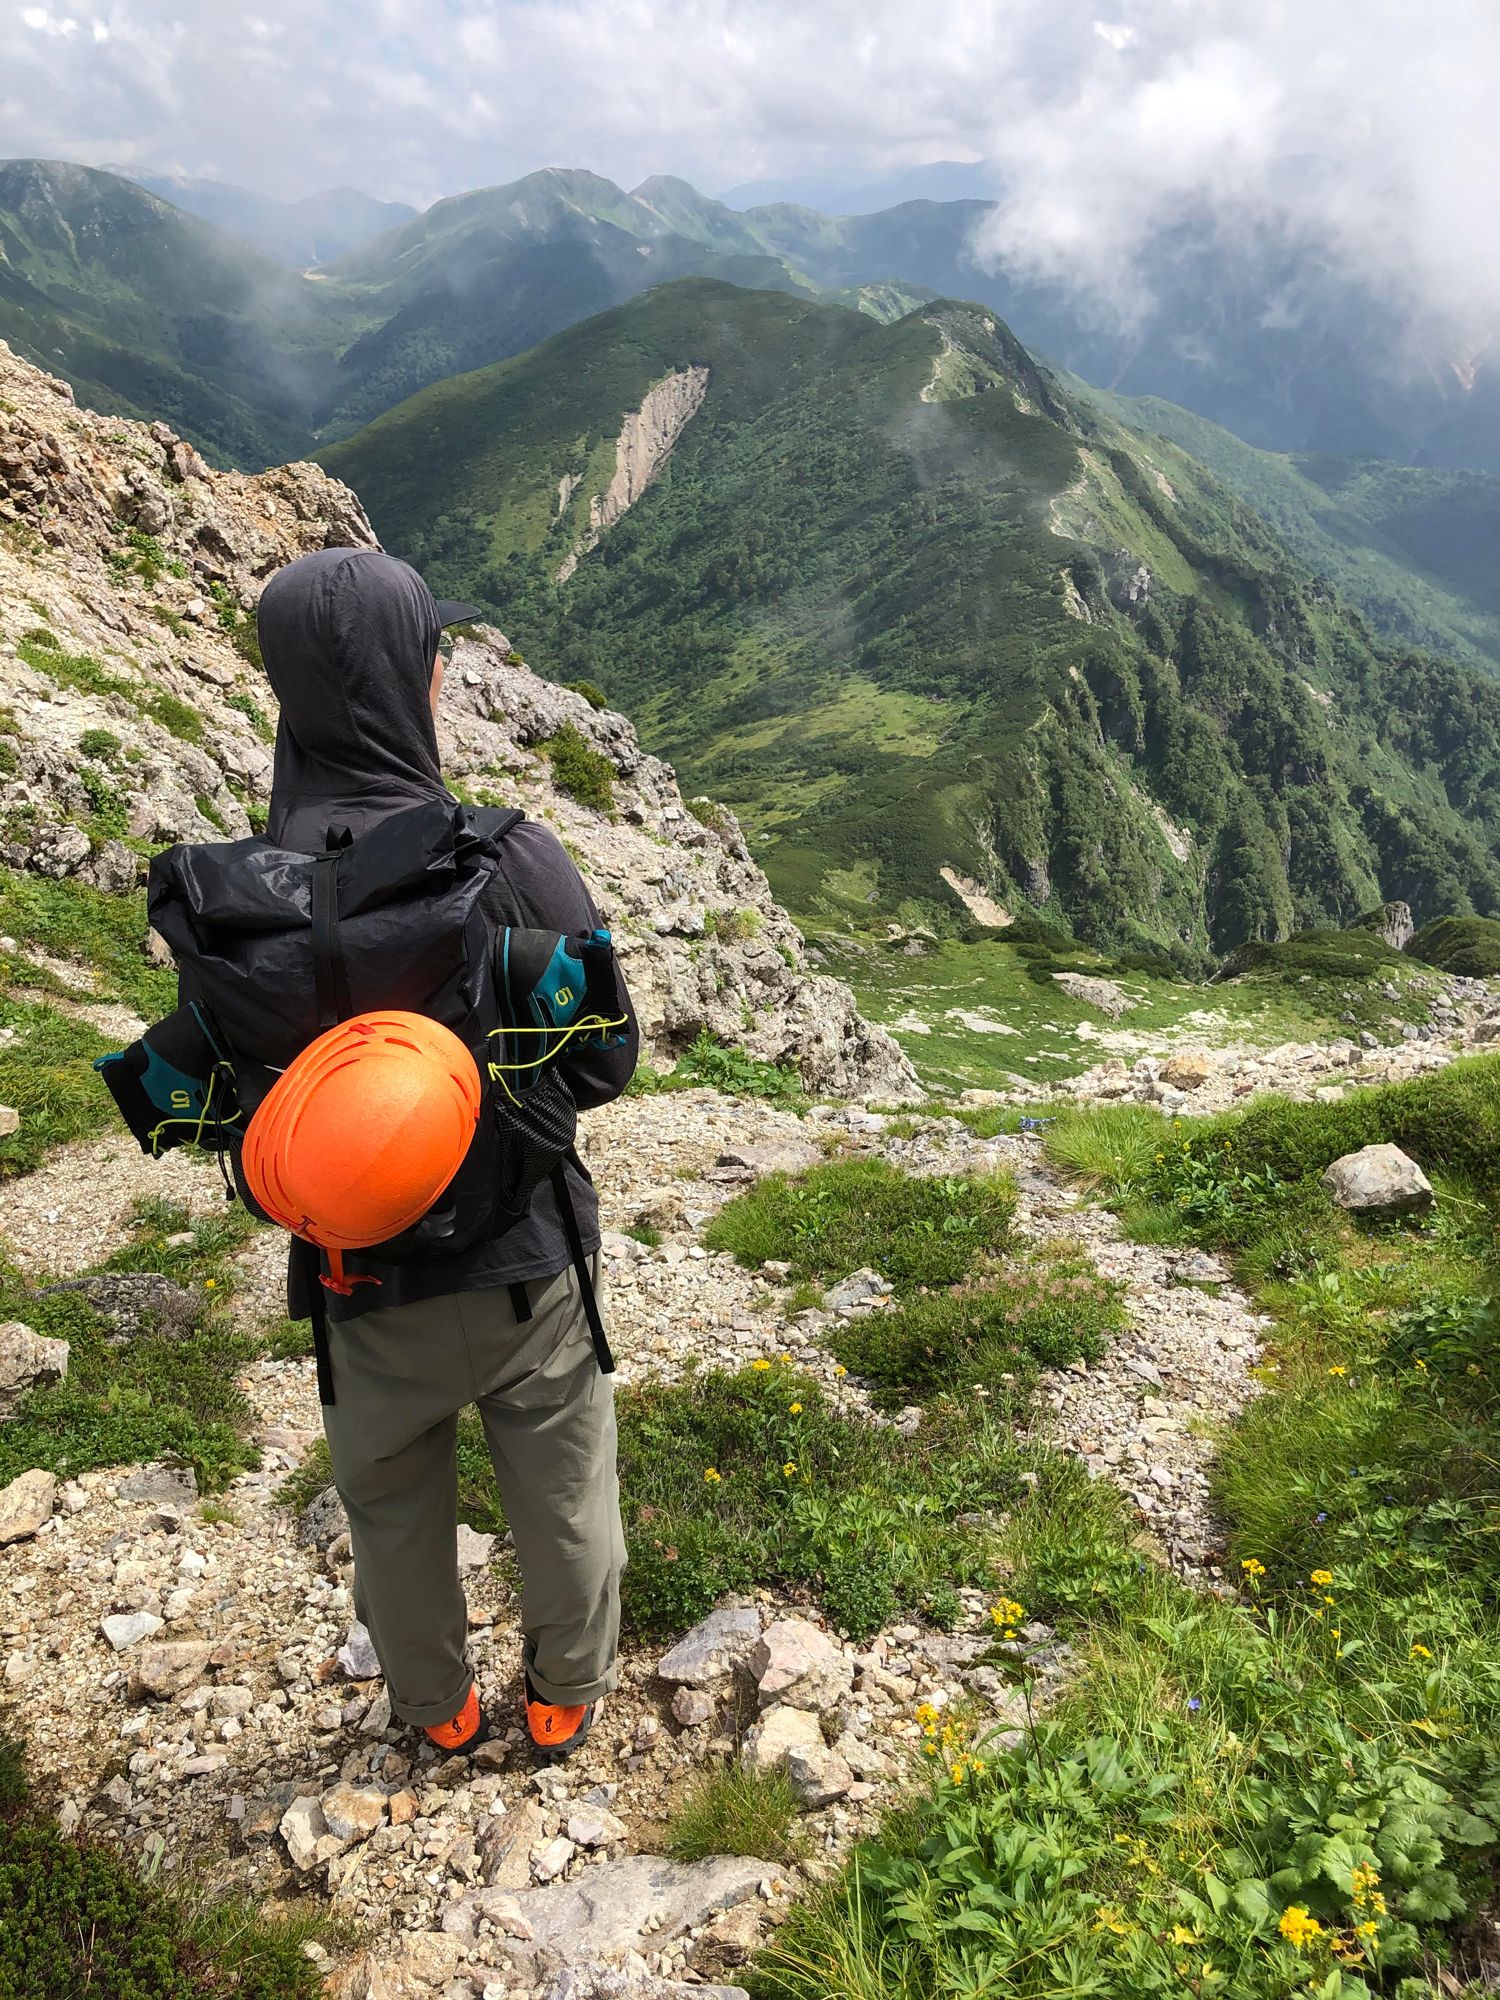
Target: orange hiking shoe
[(464, 1731), (556, 1732)]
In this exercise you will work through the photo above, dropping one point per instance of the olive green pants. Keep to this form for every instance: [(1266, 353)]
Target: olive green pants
[(401, 1377)]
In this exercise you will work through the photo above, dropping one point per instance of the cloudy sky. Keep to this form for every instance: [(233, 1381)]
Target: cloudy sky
[(1367, 127)]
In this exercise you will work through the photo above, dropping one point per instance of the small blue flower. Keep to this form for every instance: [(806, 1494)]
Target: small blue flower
[(1320, 1519), (1194, 1704)]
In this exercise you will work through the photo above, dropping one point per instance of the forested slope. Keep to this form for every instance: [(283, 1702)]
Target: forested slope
[(910, 606)]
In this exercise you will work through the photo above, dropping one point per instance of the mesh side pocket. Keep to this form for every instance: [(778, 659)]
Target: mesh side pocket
[(534, 1133)]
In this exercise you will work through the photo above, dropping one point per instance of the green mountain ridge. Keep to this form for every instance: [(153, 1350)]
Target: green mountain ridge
[(1414, 547), (910, 606)]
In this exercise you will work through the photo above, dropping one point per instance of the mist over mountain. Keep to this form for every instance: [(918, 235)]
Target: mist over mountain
[(1273, 344), (923, 616), (939, 180), (312, 230)]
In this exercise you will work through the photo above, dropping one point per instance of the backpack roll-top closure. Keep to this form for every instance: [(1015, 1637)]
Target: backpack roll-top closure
[(239, 919)]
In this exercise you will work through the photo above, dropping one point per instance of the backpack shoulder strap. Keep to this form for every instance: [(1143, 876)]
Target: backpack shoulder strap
[(495, 822)]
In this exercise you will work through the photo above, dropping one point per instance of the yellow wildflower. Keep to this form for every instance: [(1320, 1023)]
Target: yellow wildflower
[(1421, 1364), (713, 1477), (1253, 1568), (795, 1408), (783, 1357), (1110, 1919), (1298, 1928), (760, 1364), (1368, 1929), (1322, 1576), (1362, 1879), (209, 1284), (1335, 1633), (1182, 1935), (841, 1369), (789, 1468), (1420, 1653), (1338, 1368)]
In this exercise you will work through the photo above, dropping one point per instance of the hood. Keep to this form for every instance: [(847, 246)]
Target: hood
[(348, 637)]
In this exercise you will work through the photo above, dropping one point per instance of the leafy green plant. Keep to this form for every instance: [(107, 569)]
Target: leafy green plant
[(253, 713), (592, 694), (100, 743), (584, 773), (722, 1067)]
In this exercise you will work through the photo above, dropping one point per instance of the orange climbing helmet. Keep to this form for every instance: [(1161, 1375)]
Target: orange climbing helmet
[(360, 1135)]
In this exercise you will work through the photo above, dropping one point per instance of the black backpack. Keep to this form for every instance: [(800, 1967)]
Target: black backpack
[(273, 946)]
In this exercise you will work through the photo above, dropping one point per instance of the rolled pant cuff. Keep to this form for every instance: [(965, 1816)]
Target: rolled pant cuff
[(427, 1715), (572, 1697)]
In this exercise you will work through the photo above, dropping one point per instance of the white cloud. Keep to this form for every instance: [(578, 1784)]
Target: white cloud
[(43, 22), (1364, 127)]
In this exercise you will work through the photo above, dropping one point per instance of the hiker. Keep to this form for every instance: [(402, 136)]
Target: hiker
[(350, 642), (510, 1323)]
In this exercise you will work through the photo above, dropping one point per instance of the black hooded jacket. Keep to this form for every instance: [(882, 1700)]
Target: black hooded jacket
[(349, 637)]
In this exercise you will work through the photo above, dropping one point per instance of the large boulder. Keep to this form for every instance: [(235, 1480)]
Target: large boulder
[(1104, 994), (722, 1641), (1189, 1069), (27, 1361), (1379, 1181), (26, 1504), (608, 1910), (797, 1663)]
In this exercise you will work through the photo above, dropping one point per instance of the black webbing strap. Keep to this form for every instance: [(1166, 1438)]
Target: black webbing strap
[(520, 1303), (306, 1290), (329, 970), (581, 1265)]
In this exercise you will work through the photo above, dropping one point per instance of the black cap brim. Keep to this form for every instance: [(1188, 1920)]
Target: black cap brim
[(451, 612)]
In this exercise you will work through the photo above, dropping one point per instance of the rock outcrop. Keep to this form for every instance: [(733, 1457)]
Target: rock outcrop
[(133, 713)]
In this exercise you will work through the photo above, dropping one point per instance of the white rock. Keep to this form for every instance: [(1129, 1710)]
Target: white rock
[(797, 1663), (129, 1628), (1378, 1180), (27, 1361), (550, 1861), (712, 1648), (357, 1655), (25, 1504)]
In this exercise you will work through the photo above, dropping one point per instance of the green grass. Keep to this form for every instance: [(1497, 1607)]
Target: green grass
[(837, 1218), (40, 651), (153, 1396), (1107, 1149), (46, 1075), (81, 1920), (735, 1810), (1233, 1790), (990, 1336), (104, 933), (866, 1521), (1466, 945), (973, 1015)]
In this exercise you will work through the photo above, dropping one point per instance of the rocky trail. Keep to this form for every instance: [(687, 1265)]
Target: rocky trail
[(196, 1687)]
